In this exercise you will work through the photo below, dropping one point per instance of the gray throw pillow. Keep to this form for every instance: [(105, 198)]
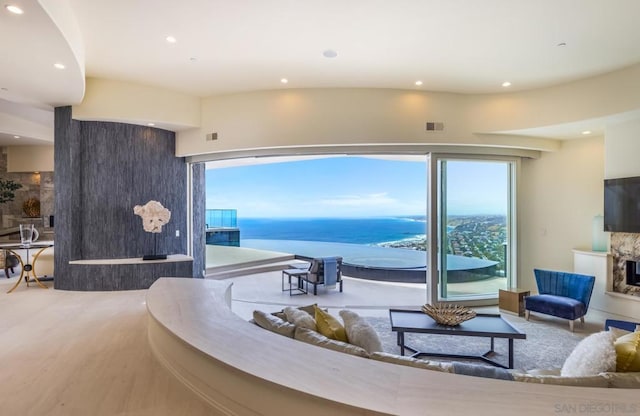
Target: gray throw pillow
[(274, 324), (360, 332), (299, 318)]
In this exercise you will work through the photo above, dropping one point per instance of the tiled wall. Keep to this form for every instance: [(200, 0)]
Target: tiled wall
[(624, 246)]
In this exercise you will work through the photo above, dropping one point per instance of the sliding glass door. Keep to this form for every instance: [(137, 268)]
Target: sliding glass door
[(475, 227)]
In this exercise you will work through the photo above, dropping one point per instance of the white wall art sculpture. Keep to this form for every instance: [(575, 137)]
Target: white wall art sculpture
[(154, 216)]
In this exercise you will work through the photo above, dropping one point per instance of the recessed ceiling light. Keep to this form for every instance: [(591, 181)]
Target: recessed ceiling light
[(14, 9), (329, 53), (16, 137), (58, 65), (561, 44), (151, 124), (418, 83), (193, 59), (586, 132), (4, 89), (171, 39), (284, 80), (506, 84)]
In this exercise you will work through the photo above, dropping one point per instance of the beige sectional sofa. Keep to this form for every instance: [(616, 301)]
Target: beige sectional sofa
[(304, 332)]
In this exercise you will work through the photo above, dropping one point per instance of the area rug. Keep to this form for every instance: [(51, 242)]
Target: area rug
[(547, 346)]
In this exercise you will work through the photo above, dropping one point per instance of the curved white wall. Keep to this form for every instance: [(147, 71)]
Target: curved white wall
[(293, 118), (119, 101), (312, 117), (298, 118), (560, 193)]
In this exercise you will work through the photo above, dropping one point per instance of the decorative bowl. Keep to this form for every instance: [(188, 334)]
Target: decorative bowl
[(448, 313)]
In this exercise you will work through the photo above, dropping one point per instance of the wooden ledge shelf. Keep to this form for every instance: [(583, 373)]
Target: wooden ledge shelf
[(241, 369)]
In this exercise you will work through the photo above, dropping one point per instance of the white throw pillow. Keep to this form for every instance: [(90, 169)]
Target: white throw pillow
[(593, 355), (299, 318), (360, 332)]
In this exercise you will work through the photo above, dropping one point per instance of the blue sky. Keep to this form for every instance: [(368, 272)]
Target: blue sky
[(476, 187), (340, 187)]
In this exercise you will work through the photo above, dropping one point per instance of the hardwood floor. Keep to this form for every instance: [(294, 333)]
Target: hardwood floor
[(87, 353), (83, 353)]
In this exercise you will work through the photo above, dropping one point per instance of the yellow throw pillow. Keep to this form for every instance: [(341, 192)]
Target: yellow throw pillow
[(329, 326), (628, 352)]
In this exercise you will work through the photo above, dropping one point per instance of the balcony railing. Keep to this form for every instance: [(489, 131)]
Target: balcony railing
[(221, 218)]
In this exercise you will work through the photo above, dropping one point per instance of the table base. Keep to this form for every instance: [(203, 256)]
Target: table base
[(484, 357), (26, 270)]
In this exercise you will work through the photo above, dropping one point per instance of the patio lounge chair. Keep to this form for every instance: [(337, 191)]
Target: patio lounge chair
[(317, 270)]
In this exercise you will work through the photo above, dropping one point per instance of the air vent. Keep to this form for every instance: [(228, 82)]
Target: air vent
[(212, 136), (435, 126)]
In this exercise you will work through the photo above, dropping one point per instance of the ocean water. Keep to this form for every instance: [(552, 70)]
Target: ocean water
[(337, 230)]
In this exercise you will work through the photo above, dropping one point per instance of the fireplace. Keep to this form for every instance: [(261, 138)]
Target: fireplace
[(625, 256), (633, 273)]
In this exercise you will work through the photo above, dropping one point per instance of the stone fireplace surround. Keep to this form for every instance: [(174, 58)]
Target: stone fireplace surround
[(624, 247)]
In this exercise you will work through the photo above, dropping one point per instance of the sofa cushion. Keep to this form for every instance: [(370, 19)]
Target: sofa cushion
[(412, 362), (586, 381), (274, 324), (541, 371), (360, 332), (559, 306), (329, 326), (628, 352), (479, 370), (623, 380), (299, 318), (593, 355), (315, 338)]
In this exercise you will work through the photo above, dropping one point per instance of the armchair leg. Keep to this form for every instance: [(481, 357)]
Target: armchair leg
[(571, 324), (340, 285), (526, 314), (582, 320)]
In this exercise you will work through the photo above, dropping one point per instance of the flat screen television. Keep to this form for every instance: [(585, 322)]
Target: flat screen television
[(622, 205)]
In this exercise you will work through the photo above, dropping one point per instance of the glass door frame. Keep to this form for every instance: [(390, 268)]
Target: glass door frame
[(434, 195)]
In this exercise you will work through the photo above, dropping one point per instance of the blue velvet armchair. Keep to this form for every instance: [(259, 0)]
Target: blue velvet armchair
[(562, 294)]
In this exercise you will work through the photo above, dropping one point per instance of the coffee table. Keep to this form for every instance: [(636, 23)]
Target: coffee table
[(483, 325)]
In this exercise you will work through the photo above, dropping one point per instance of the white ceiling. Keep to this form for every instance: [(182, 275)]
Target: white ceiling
[(225, 46), (466, 46)]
